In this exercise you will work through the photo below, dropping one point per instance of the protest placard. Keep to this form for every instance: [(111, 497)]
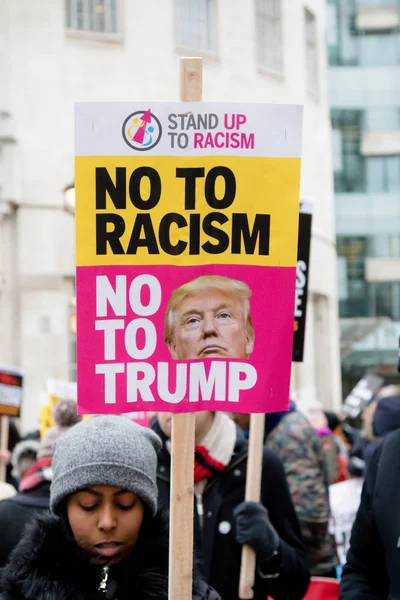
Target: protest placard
[(182, 213), (55, 390), (11, 380), (302, 278), (361, 395)]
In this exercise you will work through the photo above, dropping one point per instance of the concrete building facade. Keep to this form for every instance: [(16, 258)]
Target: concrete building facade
[(55, 52)]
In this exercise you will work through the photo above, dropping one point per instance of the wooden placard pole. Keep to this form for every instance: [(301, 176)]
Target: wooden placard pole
[(253, 494), (183, 429), (3, 444)]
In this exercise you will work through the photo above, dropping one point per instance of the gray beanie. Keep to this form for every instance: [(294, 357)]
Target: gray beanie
[(106, 450)]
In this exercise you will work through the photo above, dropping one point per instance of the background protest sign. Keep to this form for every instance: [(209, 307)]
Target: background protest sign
[(361, 395), (165, 195), (55, 390), (11, 380), (302, 278), (10, 405)]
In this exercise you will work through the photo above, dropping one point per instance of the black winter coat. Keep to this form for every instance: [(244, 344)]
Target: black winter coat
[(16, 512), (48, 565), (372, 571), (219, 552)]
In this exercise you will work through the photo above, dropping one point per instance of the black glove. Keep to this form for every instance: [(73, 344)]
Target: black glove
[(253, 527)]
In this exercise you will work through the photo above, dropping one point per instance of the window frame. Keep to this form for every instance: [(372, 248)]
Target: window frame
[(87, 30), (310, 19), (276, 20), (212, 51)]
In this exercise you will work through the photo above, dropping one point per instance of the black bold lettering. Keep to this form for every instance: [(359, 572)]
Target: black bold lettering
[(112, 237), (261, 231), (155, 188), (216, 233), (194, 235), (190, 175), (143, 222), (164, 233), (104, 184), (230, 187)]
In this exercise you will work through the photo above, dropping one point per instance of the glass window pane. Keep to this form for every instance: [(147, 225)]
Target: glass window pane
[(378, 119), (80, 14), (268, 34), (68, 13), (337, 147), (342, 36), (375, 175), (92, 15), (376, 3), (113, 16), (353, 250), (195, 24), (393, 174), (99, 15), (379, 49)]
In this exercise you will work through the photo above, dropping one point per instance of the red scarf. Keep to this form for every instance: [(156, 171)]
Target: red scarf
[(39, 473), (214, 453)]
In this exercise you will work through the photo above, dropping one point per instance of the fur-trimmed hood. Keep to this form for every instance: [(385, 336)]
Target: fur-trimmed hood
[(48, 565)]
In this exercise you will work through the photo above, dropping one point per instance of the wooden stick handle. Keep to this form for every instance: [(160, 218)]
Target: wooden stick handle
[(183, 429), (247, 573), (253, 493), (181, 507), (3, 444), (191, 74)]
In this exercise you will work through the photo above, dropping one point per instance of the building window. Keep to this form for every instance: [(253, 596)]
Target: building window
[(349, 165), (196, 24), (379, 49), (381, 118), (352, 251), (383, 174), (269, 34), (311, 52), (92, 15), (342, 38)]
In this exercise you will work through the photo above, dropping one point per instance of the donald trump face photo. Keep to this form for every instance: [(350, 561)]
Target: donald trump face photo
[(209, 317)]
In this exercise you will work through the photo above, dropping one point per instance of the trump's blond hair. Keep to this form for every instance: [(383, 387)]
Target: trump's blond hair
[(240, 289)]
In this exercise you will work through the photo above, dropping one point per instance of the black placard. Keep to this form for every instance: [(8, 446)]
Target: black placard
[(302, 276), (362, 394)]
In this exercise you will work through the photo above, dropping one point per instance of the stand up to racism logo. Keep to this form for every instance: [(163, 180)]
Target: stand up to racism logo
[(142, 130)]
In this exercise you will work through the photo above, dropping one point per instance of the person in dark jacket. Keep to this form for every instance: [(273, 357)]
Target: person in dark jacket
[(34, 486), (223, 521), (5, 455), (385, 419), (372, 570), (23, 458), (107, 538)]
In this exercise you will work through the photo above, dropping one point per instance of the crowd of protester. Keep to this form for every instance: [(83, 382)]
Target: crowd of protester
[(84, 511)]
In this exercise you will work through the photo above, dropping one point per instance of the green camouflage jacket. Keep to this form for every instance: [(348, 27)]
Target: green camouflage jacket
[(299, 447)]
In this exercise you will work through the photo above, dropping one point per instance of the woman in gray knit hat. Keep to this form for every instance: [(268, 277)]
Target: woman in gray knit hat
[(106, 538)]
